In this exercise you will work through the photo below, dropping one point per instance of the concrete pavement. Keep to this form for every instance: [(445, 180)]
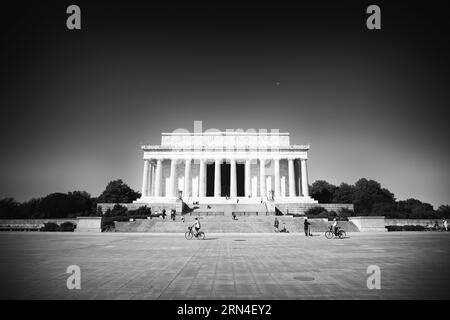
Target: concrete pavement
[(414, 265)]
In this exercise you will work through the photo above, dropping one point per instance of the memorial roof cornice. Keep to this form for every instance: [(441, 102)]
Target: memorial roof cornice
[(147, 147)]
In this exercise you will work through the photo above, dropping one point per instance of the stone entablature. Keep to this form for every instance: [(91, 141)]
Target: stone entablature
[(222, 154), (226, 139)]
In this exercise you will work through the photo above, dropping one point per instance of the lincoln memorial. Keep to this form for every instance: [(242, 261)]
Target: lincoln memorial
[(225, 167)]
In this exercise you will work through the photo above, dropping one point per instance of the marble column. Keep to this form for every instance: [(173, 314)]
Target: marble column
[(291, 178), (152, 182), (217, 178), (262, 178), (276, 163), (173, 178), (233, 180), (158, 178), (298, 182), (187, 178), (145, 178), (305, 190), (202, 182), (248, 183)]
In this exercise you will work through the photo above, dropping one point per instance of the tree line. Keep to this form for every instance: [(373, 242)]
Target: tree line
[(67, 205), (367, 196), (370, 198)]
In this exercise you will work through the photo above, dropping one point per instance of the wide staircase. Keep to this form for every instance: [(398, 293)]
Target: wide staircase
[(217, 222)]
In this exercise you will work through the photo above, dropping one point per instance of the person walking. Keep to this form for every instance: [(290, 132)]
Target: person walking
[(306, 227), (445, 225)]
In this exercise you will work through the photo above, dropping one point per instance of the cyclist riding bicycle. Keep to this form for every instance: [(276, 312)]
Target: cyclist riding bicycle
[(196, 225), (335, 227)]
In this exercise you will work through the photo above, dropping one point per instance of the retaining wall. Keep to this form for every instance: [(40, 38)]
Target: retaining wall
[(369, 223)]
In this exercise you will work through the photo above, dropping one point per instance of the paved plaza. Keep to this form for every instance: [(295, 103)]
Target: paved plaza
[(414, 265)]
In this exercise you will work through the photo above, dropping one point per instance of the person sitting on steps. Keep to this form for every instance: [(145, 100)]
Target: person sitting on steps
[(276, 224)]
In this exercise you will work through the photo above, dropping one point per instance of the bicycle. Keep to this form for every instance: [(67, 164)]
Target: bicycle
[(190, 234), (339, 233)]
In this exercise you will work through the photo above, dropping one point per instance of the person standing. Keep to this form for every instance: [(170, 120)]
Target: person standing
[(306, 227), (445, 225)]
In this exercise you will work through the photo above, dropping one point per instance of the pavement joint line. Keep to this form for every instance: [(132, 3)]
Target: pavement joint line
[(179, 271)]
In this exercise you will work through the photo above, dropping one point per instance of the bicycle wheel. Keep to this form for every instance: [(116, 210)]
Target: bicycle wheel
[(342, 234), (201, 235), (188, 235), (329, 234)]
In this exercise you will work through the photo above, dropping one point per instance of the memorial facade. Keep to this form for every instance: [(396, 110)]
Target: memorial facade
[(219, 167)]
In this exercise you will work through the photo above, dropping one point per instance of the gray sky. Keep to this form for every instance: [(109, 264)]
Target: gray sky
[(77, 105)]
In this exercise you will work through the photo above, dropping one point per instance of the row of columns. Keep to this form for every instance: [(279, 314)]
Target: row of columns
[(152, 178)]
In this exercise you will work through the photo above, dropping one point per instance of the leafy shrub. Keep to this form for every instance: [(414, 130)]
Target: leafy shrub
[(107, 222), (315, 211), (413, 228), (324, 214), (332, 214), (346, 212), (116, 211), (119, 210), (50, 226), (141, 211), (67, 226), (406, 228), (394, 228), (64, 227)]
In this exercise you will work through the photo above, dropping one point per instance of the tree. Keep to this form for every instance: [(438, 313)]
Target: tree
[(387, 209), (443, 211), (117, 211), (28, 208), (81, 203), (369, 192), (344, 194), (142, 211), (322, 191), (117, 191), (416, 209), (9, 208), (55, 205)]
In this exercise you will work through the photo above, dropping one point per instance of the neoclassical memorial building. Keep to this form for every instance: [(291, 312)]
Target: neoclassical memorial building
[(225, 168)]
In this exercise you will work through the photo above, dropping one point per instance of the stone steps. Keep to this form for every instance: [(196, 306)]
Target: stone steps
[(225, 224), (213, 224)]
